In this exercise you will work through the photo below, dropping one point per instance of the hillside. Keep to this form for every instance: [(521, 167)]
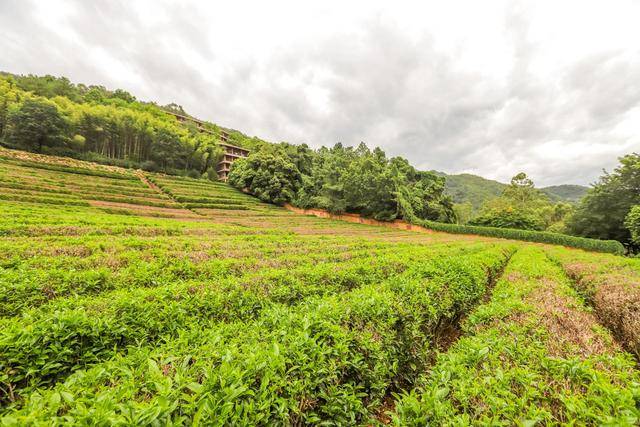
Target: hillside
[(477, 190), (140, 298), (565, 192), (52, 115)]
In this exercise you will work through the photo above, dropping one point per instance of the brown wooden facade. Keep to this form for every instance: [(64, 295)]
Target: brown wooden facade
[(231, 152)]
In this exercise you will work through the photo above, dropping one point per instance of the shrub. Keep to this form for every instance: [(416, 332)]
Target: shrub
[(149, 166), (192, 173), (508, 218)]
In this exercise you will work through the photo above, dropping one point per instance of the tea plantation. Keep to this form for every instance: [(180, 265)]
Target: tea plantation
[(130, 298)]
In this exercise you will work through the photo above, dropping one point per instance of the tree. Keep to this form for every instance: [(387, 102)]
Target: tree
[(109, 126), (601, 213), (37, 124), (463, 212), (632, 222), (271, 177), (522, 192), (508, 218)]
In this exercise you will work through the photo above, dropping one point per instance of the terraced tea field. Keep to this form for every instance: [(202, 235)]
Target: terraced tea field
[(141, 299)]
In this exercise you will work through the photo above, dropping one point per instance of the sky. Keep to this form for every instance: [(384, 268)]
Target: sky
[(551, 88)]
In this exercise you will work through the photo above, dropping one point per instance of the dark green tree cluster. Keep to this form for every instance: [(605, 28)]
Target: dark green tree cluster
[(343, 179), (632, 222), (602, 213)]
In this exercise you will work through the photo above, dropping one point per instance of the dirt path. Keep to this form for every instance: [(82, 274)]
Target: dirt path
[(355, 218), (152, 186)]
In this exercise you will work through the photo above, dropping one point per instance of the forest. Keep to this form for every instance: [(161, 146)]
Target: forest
[(343, 179)]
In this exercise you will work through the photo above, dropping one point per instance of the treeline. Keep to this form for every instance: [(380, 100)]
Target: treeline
[(54, 116), (343, 179)]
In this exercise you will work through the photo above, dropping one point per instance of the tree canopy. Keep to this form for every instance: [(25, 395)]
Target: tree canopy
[(602, 212), (343, 179), (632, 222), (36, 124)]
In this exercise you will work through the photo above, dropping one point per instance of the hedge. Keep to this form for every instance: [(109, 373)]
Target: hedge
[(69, 169), (610, 246)]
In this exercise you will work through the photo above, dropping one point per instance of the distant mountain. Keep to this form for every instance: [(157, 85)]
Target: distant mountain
[(565, 192), (475, 189)]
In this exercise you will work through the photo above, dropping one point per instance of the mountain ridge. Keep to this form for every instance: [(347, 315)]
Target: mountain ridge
[(475, 189)]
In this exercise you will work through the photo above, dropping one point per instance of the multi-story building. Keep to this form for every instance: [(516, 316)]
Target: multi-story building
[(231, 152)]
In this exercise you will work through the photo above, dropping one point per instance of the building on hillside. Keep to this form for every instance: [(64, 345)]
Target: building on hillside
[(231, 152), (200, 125)]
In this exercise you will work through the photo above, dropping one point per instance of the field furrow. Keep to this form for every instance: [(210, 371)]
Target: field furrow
[(532, 355), (339, 354), (611, 285)]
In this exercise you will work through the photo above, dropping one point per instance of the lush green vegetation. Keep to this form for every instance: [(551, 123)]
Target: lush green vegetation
[(52, 115), (632, 222), (343, 179), (565, 192), (606, 212), (524, 207), (149, 299), (602, 213), (611, 285), (471, 189)]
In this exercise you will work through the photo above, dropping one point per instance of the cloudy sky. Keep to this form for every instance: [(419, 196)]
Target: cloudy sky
[(492, 87)]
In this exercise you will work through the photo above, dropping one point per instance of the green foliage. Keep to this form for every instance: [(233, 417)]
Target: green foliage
[(521, 190), (632, 222), (342, 351), (36, 124), (565, 192), (602, 212), (463, 212), (473, 189), (522, 206), (272, 177), (611, 286), (343, 179), (507, 218), (468, 188), (242, 313), (53, 115)]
